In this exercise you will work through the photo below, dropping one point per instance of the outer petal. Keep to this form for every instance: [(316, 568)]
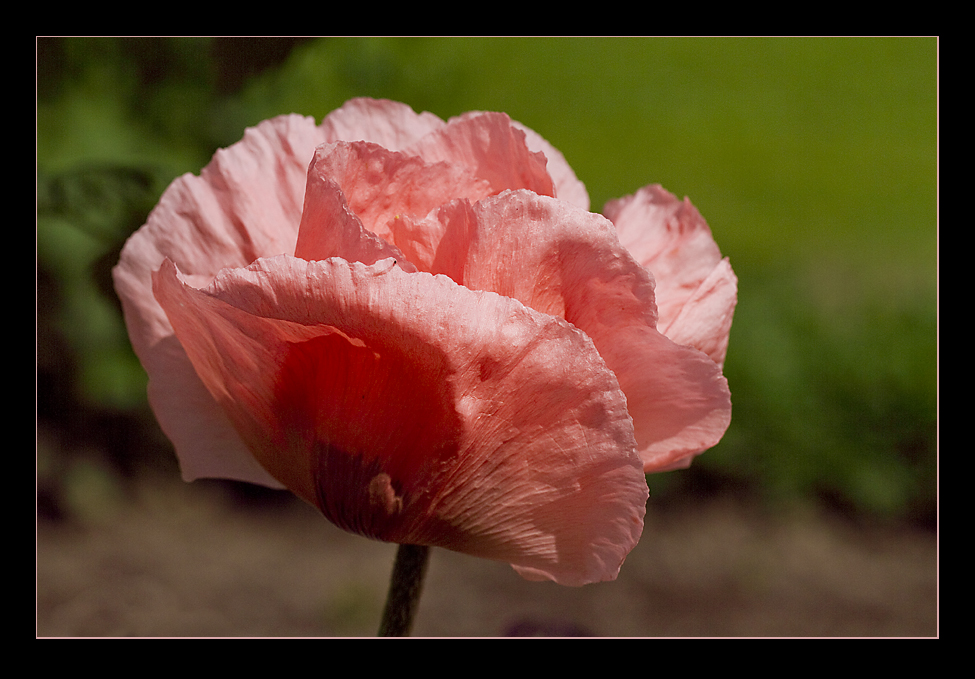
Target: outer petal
[(396, 126), (388, 123), (567, 184), (704, 322), (414, 410), (245, 204), (567, 262), (696, 289)]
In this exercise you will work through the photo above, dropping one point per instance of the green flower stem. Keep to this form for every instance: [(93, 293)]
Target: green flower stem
[(405, 586)]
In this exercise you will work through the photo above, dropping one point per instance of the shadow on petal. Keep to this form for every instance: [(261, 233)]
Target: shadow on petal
[(414, 410)]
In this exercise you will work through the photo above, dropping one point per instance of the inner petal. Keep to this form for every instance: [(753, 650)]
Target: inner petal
[(380, 185), (493, 148)]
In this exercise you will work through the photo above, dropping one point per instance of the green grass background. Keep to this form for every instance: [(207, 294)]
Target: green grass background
[(814, 161)]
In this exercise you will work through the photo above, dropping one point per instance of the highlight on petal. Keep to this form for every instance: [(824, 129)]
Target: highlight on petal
[(438, 243), (245, 204), (381, 186), (694, 284), (704, 322), (388, 123), (567, 262), (396, 127), (298, 332), (567, 184), (411, 409), (330, 228), (493, 148)]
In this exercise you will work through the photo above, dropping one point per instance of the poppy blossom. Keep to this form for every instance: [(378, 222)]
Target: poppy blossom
[(418, 327)]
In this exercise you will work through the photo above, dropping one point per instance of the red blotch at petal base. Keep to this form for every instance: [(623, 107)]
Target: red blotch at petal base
[(410, 409)]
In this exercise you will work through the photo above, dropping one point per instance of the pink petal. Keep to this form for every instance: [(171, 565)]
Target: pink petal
[(396, 127), (567, 185), (439, 242), (380, 186), (704, 322), (566, 262), (245, 204), (414, 410), (329, 227), (493, 148), (671, 239), (388, 123)]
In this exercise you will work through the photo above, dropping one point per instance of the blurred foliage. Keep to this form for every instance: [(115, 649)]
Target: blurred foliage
[(814, 161)]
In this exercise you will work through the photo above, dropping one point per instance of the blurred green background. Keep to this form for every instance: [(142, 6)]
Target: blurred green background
[(814, 161)]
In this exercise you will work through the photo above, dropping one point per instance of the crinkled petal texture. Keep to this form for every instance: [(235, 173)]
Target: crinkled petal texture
[(249, 203), (566, 262), (245, 204), (412, 409), (696, 288), (418, 327)]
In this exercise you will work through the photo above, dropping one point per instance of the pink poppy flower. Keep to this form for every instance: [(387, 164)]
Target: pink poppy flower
[(418, 327)]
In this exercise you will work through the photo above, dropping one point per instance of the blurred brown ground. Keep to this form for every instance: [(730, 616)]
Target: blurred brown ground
[(175, 559)]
